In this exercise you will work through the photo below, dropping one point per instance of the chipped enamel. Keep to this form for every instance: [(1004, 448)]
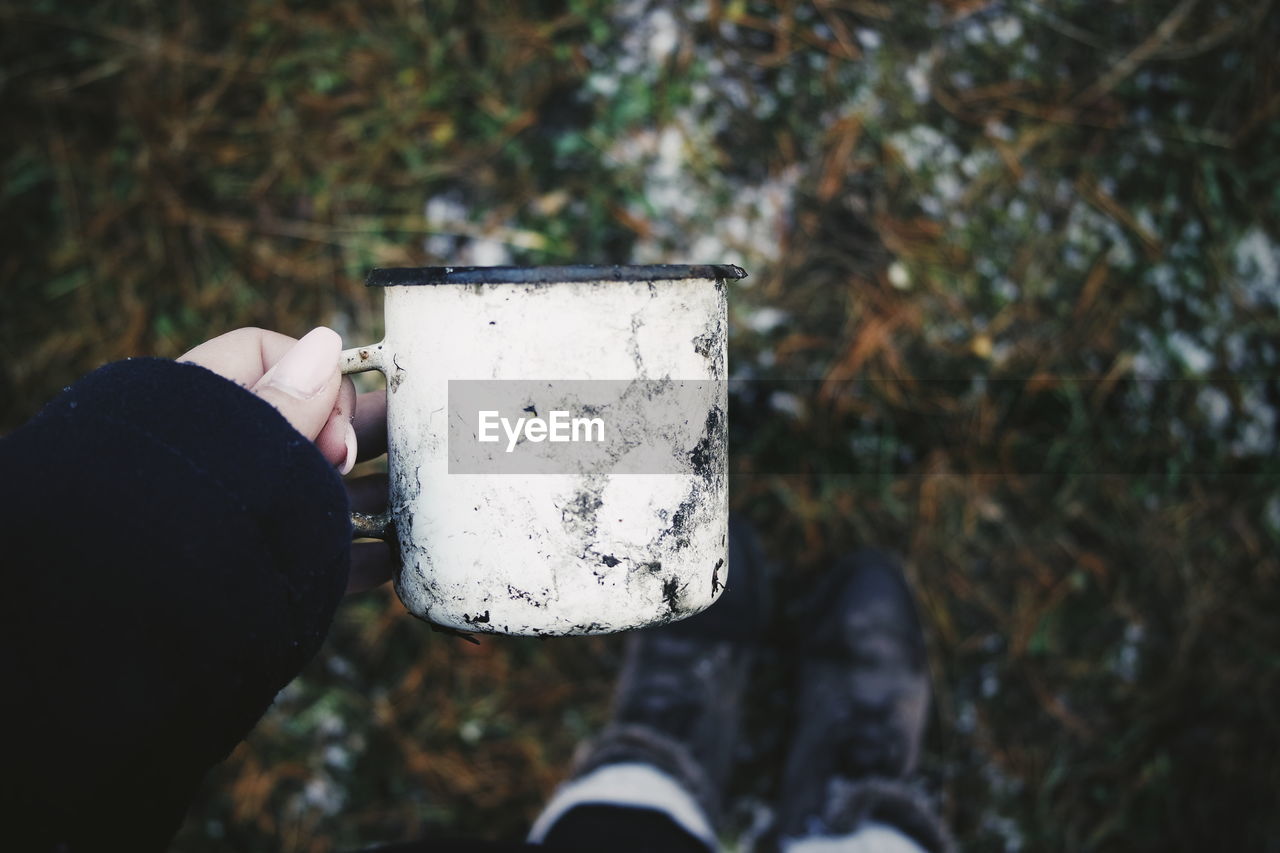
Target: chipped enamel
[(588, 553)]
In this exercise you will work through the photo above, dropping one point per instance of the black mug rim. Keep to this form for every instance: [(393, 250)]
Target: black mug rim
[(417, 276)]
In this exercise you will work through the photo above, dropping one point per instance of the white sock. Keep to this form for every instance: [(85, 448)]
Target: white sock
[(633, 785), (872, 838)]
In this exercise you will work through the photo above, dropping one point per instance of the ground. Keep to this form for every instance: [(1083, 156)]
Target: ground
[(1012, 311)]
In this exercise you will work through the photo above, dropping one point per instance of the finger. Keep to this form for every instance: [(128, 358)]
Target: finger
[(368, 494), (337, 438), (371, 424), (372, 564), (303, 385), (242, 355)]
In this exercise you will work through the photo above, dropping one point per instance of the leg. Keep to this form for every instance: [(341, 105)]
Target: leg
[(661, 763), (625, 829), (863, 698)]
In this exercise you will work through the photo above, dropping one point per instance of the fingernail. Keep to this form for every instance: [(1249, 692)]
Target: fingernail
[(308, 366), (350, 461)]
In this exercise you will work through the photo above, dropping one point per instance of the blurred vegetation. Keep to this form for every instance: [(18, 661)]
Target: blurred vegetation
[(1014, 311)]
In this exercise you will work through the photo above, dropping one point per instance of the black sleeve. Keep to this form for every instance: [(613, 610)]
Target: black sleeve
[(173, 553)]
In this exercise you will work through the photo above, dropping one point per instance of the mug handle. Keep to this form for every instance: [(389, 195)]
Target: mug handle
[(364, 525)]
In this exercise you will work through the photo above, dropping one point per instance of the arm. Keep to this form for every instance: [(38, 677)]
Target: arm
[(174, 552)]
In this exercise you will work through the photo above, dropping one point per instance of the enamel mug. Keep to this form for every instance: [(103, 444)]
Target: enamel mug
[(557, 444)]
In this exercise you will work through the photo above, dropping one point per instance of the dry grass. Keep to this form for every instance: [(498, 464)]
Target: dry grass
[(1011, 269)]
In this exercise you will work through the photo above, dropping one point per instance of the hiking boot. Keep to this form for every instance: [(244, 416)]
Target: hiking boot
[(861, 704), (678, 703)]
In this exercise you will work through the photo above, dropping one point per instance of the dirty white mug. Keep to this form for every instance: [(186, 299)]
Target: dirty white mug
[(501, 526)]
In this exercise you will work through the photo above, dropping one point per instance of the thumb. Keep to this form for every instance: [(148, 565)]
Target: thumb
[(303, 385)]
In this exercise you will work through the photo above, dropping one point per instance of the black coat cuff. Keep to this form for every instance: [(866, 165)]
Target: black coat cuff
[(176, 552)]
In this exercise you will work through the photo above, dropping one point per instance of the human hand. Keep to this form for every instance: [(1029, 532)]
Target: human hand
[(299, 377), (302, 380)]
